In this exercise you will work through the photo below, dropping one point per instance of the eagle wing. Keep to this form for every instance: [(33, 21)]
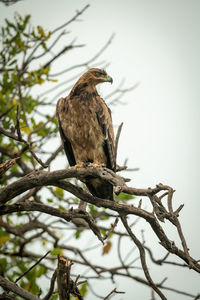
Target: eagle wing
[(104, 118), (66, 143)]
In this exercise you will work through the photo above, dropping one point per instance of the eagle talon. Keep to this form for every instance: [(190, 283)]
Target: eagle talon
[(96, 165), (79, 165)]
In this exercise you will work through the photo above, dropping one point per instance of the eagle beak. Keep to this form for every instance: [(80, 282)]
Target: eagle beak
[(109, 79)]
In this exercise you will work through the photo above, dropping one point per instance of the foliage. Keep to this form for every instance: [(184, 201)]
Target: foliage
[(20, 41)]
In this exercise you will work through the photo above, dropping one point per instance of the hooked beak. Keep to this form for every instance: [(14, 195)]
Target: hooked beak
[(109, 79)]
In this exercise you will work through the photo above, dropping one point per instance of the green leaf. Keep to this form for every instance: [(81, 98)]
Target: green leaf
[(49, 200), (61, 207), (54, 296), (22, 266), (124, 196), (44, 45), (59, 192), (83, 290), (56, 251), (92, 210), (41, 270), (103, 232), (4, 237), (78, 233), (41, 31), (3, 265), (10, 24)]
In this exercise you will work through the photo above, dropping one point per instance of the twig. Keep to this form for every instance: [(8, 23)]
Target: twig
[(111, 228), (64, 50), (142, 258), (87, 63), (33, 266), (18, 125), (114, 291), (6, 112), (42, 126), (117, 139), (30, 57), (78, 13), (53, 279), (156, 261), (20, 139)]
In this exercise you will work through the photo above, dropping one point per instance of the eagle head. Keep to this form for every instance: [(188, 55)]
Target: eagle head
[(96, 76)]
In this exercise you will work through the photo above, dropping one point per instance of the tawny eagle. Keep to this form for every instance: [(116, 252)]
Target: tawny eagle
[(86, 129)]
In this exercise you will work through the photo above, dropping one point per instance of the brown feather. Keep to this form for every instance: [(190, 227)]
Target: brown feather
[(86, 129)]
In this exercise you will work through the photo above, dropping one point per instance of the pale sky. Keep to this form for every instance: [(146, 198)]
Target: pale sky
[(157, 44)]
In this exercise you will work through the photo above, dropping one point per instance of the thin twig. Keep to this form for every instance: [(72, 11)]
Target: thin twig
[(117, 139), (114, 291), (53, 279), (33, 266)]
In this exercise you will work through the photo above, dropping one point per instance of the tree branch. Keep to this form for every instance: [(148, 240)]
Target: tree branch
[(142, 258), (66, 285), (8, 285)]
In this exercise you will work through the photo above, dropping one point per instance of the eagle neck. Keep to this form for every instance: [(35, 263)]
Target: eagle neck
[(83, 90)]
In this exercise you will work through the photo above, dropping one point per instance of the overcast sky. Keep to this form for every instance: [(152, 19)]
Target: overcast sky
[(157, 44)]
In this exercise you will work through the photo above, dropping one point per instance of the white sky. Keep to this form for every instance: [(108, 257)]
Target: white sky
[(157, 43)]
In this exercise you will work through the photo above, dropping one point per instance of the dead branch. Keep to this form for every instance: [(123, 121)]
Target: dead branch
[(88, 62), (7, 165), (66, 285), (50, 292), (117, 139), (10, 286), (42, 178), (142, 258), (114, 291)]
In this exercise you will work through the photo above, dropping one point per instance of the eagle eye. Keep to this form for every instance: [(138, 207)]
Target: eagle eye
[(98, 74)]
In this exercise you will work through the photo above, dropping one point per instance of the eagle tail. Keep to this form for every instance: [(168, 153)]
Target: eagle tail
[(100, 188)]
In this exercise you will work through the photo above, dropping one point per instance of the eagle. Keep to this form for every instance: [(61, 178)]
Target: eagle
[(86, 129)]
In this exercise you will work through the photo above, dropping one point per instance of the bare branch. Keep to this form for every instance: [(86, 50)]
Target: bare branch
[(142, 258), (7, 165), (66, 285), (42, 178), (50, 292), (117, 139), (87, 63), (74, 18), (63, 51), (8, 285), (114, 291)]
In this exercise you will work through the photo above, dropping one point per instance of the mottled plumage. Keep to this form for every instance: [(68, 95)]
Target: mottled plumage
[(86, 129)]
